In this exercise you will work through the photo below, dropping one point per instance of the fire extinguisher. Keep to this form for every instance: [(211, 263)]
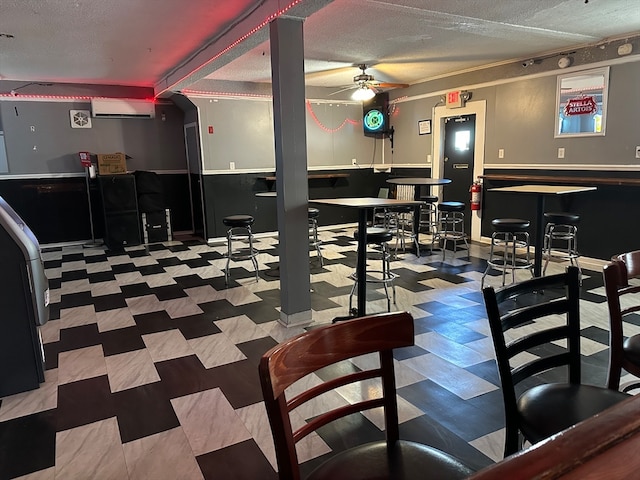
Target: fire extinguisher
[(476, 191)]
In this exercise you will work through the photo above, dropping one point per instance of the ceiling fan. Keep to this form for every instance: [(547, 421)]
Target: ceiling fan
[(366, 86)]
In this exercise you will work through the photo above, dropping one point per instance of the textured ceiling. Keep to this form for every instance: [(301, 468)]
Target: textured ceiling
[(162, 43)]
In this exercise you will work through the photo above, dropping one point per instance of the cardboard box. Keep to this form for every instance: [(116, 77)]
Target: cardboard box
[(112, 163)]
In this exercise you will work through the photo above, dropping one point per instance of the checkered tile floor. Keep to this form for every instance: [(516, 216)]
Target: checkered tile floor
[(151, 362)]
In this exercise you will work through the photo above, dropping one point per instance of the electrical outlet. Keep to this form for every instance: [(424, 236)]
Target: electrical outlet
[(637, 151), (501, 153), (428, 158), (560, 152), (232, 165), (354, 161)]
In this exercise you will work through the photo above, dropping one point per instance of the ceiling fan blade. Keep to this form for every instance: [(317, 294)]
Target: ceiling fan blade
[(352, 87), (391, 85)]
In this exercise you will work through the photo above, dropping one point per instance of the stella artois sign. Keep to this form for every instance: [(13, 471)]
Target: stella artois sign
[(580, 106)]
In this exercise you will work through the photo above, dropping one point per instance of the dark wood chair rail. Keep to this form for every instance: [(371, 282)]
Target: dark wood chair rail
[(565, 180), (604, 446)]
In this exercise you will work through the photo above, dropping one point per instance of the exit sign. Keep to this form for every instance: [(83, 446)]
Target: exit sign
[(454, 99)]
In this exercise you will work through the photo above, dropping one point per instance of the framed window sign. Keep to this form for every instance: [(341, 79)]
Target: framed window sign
[(424, 127), (581, 103)]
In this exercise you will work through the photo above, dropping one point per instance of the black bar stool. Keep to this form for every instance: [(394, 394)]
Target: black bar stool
[(314, 242), (509, 236), (380, 237), (451, 226), (240, 231), (561, 239)]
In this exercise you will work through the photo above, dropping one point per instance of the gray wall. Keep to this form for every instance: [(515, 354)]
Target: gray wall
[(243, 133), (153, 144), (521, 120)]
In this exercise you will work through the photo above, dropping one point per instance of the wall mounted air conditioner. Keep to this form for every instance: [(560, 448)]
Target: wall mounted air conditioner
[(122, 108)]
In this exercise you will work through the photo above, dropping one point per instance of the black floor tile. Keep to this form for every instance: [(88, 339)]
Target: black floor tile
[(143, 411), (27, 444), (83, 402), (231, 463), (103, 303), (121, 340)]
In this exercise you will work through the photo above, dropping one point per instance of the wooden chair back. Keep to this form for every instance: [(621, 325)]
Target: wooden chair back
[(621, 302), (296, 358), (520, 320)]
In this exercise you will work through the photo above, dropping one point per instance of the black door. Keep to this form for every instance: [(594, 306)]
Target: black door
[(459, 141)]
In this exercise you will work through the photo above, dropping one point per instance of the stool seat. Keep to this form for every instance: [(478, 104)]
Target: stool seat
[(313, 212), (510, 224), (376, 235), (238, 220), (451, 206), (401, 209), (562, 218), (429, 198)]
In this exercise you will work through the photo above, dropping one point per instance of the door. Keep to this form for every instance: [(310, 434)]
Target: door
[(459, 141), (195, 179)]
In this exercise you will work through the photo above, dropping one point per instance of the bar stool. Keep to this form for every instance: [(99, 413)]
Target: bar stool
[(509, 236), (450, 226), (240, 231), (400, 223), (561, 239), (380, 237), (314, 242)]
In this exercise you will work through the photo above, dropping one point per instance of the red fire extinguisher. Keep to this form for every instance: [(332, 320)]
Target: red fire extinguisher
[(476, 195)]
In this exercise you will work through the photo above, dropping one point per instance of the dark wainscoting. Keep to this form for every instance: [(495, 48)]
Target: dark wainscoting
[(57, 210), (236, 194), (608, 216)]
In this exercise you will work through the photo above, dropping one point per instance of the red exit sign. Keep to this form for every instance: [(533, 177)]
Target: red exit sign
[(454, 99)]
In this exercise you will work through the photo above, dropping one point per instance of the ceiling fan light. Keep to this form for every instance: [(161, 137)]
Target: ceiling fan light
[(362, 94)]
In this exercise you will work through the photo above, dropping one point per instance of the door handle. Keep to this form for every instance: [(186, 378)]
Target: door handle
[(446, 159)]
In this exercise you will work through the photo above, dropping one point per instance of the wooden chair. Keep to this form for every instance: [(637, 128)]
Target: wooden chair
[(623, 300), (541, 322), (292, 360)]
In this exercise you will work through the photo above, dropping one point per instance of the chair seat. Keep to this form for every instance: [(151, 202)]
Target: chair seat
[(562, 218), (510, 224), (407, 461), (631, 347), (313, 212), (376, 235), (238, 220), (451, 206), (550, 408)]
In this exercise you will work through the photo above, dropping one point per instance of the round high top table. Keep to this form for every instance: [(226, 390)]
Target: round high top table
[(363, 205), (418, 182)]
